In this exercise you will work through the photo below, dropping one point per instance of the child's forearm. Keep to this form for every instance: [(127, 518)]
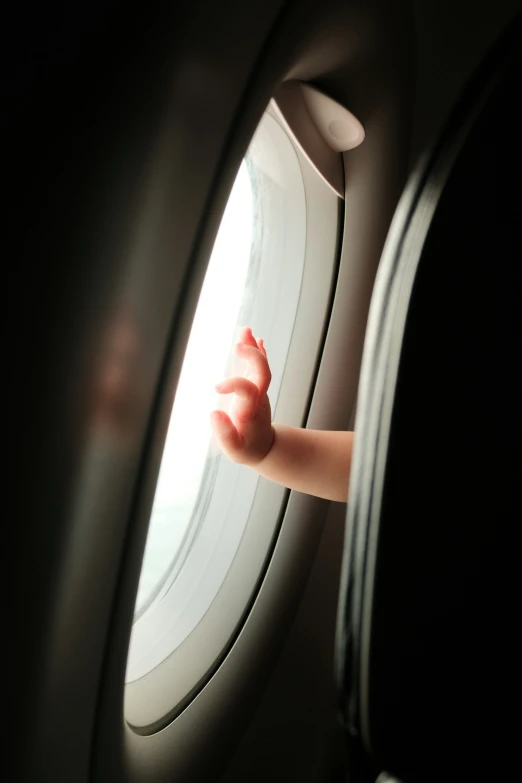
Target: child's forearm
[(317, 462)]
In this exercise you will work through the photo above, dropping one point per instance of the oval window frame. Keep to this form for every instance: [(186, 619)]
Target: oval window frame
[(153, 699)]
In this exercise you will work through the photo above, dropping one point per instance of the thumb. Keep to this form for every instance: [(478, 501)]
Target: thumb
[(226, 434)]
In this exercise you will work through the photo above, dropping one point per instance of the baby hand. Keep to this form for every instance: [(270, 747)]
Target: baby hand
[(246, 435)]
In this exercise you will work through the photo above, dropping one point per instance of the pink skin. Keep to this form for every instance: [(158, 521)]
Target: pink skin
[(247, 435)]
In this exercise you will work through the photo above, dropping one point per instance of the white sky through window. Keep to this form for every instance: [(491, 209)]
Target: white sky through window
[(211, 339)]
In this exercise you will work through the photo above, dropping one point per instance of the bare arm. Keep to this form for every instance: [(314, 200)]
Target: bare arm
[(314, 461), (317, 462)]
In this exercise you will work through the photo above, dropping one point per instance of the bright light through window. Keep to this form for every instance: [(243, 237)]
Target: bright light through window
[(212, 336)]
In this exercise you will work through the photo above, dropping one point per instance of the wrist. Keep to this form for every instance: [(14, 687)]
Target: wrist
[(271, 440)]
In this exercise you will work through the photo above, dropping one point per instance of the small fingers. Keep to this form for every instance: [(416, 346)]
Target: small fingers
[(238, 385), (261, 346), (261, 371), (246, 337), (247, 393)]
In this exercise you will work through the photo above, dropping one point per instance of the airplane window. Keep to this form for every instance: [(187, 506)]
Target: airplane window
[(202, 501)]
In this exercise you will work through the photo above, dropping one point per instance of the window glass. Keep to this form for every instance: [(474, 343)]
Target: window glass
[(186, 448)]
